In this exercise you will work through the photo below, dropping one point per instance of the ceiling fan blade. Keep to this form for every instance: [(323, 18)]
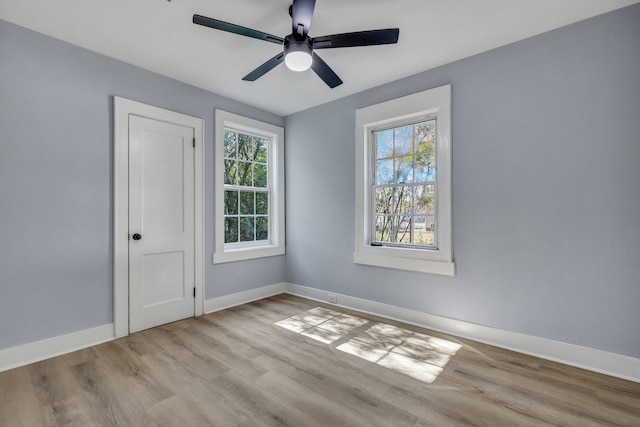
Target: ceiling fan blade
[(325, 72), (358, 38), (301, 14), (264, 68), (236, 29)]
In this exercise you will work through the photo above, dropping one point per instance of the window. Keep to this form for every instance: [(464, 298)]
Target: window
[(403, 190), (246, 190), (403, 183), (249, 189)]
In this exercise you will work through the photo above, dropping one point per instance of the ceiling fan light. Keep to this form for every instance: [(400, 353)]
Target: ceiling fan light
[(298, 61), (298, 54)]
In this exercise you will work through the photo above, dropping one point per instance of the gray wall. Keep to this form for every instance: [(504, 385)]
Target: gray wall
[(546, 189), (56, 183), (546, 140)]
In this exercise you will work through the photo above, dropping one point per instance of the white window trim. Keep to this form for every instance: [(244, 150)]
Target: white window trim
[(432, 102), (276, 245)]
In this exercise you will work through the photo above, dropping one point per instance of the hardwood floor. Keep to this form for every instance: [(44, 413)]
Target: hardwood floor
[(294, 362)]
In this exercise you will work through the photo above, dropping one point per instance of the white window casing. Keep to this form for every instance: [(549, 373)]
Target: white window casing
[(430, 103), (276, 243)]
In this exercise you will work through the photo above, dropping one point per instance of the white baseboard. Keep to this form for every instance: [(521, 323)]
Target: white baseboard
[(612, 364), (22, 355), (239, 298), (569, 354)]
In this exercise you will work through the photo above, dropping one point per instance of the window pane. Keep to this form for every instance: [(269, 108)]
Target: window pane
[(262, 228), (430, 223), (403, 230), (247, 203), (395, 228), (230, 144), (384, 171), (231, 230), (247, 229), (230, 172), (425, 173), (426, 130), (231, 203), (403, 140), (261, 150), (245, 147), (260, 175), (262, 203), (384, 200), (423, 227), (245, 174), (383, 229), (402, 200), (384, 144), (424, 199), (425, 162), (403, 169)]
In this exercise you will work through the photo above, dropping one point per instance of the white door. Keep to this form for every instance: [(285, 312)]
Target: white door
[(161, 223)]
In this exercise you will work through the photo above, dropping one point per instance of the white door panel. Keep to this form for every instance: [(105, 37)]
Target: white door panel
[(161, 212), (163, 275), (163, 182)]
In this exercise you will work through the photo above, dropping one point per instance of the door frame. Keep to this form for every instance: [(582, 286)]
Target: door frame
[(122, 108)]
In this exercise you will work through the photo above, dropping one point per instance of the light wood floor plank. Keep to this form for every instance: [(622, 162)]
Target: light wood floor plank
[(19, 403), (288, 361)]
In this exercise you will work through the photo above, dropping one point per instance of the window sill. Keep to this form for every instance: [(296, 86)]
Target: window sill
[(242, 254), (444, 268)]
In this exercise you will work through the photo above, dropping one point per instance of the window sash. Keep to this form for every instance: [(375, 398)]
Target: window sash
[(255, 215), (239, 243), (373, 214)]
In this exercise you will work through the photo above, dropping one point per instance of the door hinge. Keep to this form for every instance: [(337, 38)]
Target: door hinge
[(194, 143), (194, 292)]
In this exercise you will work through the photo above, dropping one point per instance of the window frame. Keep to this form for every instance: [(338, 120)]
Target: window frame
[(430, 103), (230, 252), (374, 175), (249, 189)]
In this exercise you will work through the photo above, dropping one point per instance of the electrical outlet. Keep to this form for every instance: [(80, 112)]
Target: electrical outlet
[(332, 298)]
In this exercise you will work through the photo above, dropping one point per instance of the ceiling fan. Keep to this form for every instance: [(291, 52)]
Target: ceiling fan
[(298, 48)]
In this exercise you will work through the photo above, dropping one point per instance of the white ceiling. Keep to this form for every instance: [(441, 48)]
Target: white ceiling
[(158, 35)]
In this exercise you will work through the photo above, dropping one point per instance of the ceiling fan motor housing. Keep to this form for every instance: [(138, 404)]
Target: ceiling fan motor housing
[(298, 54)]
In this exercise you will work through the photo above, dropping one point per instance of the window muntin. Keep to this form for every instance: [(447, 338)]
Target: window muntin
[(403, 187), (246, 187)]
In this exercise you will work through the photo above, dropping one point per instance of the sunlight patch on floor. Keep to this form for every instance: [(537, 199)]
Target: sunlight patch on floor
[(322, 324), (420, 356)]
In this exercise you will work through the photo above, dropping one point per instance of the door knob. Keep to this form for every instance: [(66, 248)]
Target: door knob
[(136, 236)]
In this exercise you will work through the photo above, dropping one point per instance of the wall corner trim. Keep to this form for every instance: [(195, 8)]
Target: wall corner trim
[(591, 359), (25, 354)]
